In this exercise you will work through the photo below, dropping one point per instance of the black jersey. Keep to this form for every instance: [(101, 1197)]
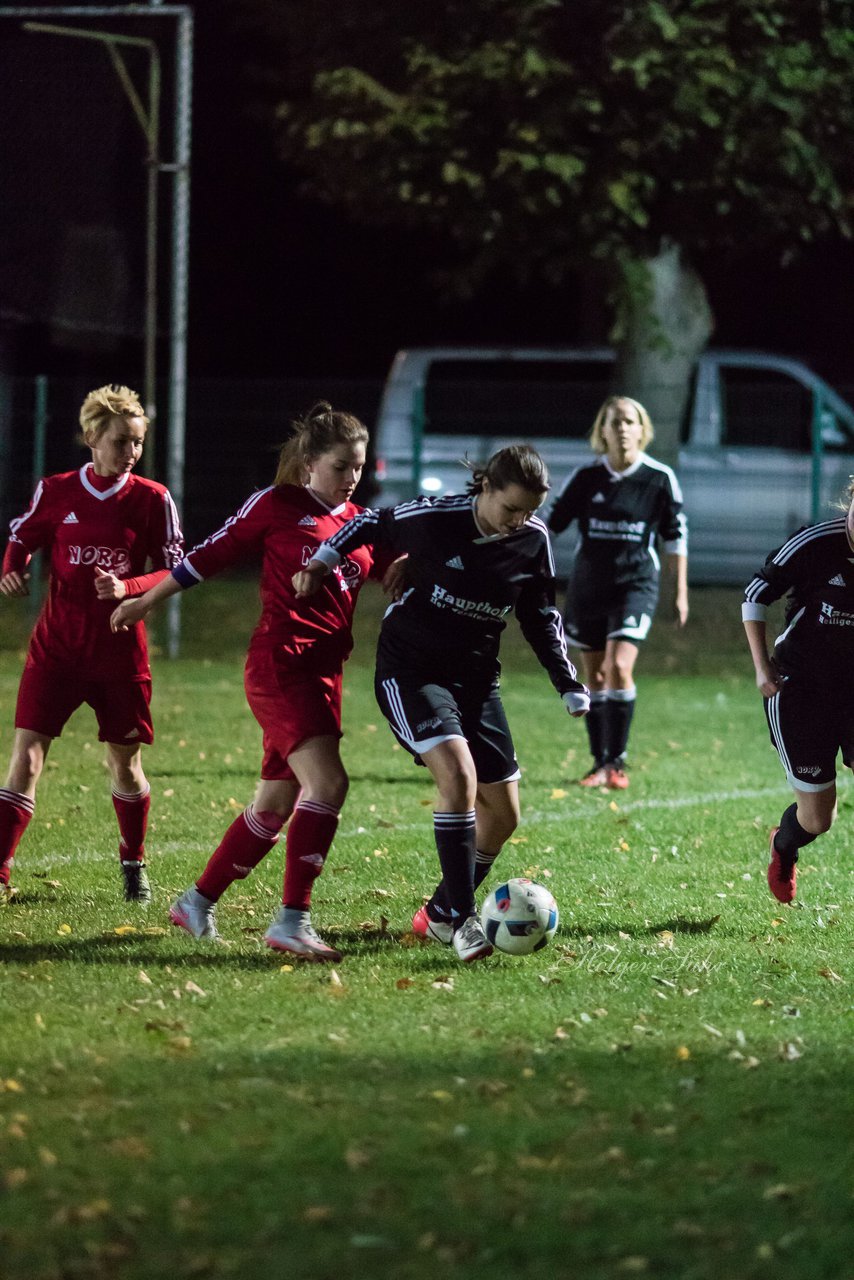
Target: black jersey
[(461, 586), (816, 568), (620, 514)]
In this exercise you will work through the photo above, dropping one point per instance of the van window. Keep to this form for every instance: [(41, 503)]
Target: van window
[(765, 410), (521, 399)]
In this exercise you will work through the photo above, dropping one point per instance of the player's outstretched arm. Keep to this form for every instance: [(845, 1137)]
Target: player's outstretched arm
[(132, 611)]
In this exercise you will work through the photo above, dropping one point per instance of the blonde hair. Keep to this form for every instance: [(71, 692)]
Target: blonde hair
[(316, 432), (105, 403), (597, 437)]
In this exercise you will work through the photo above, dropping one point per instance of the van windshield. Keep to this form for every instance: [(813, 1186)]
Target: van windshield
[(515, 398)]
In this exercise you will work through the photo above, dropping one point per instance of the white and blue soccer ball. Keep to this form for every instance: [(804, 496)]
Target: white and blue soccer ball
[(519, 917)]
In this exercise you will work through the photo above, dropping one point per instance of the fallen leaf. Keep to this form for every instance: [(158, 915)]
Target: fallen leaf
[(122, 930), (403, 983), (443, 984), (64, 929), (354, 1158), (11, 1086), (317, 1213), (143, 977), (780, 1191), (194, 990), (13, 1178), (830, 975), (683, 1053), (558, 794)]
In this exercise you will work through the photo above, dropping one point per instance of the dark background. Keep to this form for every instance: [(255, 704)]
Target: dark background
[(281, 286)]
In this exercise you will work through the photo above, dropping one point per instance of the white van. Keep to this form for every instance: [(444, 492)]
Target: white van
[(767, 445)]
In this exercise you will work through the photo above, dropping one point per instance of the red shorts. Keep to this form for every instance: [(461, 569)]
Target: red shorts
[(47, 699), (291, 706)]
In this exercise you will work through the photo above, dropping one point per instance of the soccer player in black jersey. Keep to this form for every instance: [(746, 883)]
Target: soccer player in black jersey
[(622, 502), (472, 560), (808, 684)]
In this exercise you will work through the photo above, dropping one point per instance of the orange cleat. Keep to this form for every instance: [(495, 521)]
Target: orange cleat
[(597, 777), (616, 778)]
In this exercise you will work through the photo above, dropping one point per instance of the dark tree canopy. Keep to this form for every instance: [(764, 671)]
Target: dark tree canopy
[(545, 136)]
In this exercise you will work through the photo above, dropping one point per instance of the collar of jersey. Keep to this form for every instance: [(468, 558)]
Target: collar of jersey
[(333, 511), (629, 471), (98, 493)]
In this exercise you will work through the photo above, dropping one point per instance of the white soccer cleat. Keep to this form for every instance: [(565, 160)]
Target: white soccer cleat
[(436, 930), (292, 931), (470, 942), (197, 914)]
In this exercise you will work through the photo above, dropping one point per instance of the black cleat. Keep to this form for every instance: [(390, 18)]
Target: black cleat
[(137, 888)]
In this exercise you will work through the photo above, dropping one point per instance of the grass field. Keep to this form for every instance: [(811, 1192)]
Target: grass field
[(664, 1091)]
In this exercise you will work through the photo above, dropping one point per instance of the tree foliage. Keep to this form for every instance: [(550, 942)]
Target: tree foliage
[(539, 133)]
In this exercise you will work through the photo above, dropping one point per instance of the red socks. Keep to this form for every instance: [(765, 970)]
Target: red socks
[(249, 838), (132, 812), (15, 813), (310, 834)]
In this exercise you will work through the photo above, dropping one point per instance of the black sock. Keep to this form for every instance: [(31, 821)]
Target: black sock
[(791, 837), (595, 723), (619, 710), (439, 907), (455, 844)]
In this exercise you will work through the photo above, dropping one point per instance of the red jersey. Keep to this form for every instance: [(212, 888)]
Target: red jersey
[(285, 524), (82, 520)]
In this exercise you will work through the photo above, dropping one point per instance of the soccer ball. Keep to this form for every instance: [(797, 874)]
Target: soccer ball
[(519, 917)]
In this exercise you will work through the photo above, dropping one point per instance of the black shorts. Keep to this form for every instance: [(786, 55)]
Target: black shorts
[(810, 724), (422, 714), (625, 614)]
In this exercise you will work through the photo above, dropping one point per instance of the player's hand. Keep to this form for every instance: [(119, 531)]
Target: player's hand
[(108, 586), (308, 580), (768, 679), (15, 584), (577, 703), (128, 614), (394, 580), (680, 610)]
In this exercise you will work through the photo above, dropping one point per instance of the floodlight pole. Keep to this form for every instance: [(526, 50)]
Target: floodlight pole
[(150, 124)]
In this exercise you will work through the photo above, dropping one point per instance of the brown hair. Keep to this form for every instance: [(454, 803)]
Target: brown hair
[(316, 432), (104, 404), (597, 437), (517, 464)]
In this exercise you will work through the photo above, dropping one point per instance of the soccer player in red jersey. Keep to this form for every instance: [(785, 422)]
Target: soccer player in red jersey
[(100, 526), (293, 672)]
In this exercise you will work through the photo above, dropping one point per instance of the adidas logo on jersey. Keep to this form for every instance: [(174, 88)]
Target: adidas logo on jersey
[(598, 497), (71, 519), (836, 581), (455, 563), (307, 522)]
